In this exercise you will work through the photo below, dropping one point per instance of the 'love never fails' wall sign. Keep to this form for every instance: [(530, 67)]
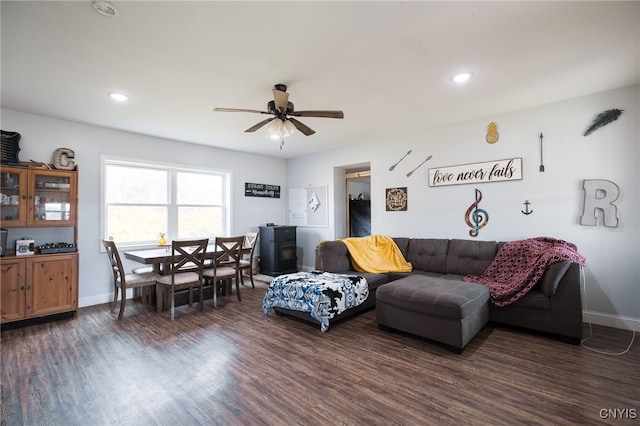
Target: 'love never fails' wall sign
[(490, 171)]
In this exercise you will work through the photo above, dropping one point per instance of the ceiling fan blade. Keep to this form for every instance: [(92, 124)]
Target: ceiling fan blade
[(240, 110), (281, 99), (326, 114), (308, 131), (260, 124)]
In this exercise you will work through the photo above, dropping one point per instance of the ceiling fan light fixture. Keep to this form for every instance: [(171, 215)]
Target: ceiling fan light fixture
[(280, 125), (289, 128), (275, 128), (279, 129)]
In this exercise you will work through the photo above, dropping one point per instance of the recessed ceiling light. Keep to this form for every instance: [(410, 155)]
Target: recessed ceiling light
[(462, 77), (118, 97), (103, 7)]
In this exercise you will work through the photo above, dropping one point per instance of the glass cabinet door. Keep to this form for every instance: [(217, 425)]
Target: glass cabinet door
[(52, 197), (13, 200)]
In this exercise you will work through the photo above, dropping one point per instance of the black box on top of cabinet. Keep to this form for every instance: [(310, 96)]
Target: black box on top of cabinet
[(278, 250)]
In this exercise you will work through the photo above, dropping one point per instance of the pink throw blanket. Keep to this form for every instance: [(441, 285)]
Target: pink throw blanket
[(519, 265)]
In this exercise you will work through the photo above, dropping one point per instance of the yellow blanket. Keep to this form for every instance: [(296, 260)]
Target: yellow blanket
[(377, 254)]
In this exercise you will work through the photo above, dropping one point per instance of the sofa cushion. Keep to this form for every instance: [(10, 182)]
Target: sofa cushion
[(403, 245), (434, 296), (466, 257), (373, 280), (399, 275), (334, 256), (428, 254), (552, 276)]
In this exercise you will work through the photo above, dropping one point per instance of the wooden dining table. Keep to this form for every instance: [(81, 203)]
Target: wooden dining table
[(160, 258)]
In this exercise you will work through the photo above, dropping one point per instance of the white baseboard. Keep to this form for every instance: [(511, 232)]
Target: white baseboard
[(614, 321), (83, 302)]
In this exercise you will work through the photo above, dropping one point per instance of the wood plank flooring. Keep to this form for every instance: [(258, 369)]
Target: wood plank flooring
[(237, 366)]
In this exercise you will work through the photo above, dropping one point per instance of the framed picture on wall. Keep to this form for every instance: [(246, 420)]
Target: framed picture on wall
[(396, 199)]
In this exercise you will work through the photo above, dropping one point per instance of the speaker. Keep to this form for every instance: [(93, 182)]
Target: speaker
[(3, 241)]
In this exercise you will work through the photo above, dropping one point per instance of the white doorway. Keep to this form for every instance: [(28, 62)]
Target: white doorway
[(358, 200)]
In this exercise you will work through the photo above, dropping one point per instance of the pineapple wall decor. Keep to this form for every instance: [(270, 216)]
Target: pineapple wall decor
[(492, 133)]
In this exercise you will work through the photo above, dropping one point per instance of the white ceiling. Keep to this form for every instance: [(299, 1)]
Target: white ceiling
[(385, 64)]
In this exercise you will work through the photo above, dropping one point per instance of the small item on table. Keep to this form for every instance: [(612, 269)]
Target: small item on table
[(162, 242)]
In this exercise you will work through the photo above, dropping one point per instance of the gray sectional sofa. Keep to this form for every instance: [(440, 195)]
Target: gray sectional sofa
[(419, 306)]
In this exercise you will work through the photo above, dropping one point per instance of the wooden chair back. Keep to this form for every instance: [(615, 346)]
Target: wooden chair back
[(184, 272), (230, 249), (188, 255), (249, 248), (114, 259), (250, 240), (122, 280)]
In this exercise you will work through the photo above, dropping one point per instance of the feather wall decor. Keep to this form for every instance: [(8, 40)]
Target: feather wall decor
[(603, 119)]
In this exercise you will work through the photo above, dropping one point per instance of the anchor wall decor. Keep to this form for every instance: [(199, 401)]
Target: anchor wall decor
[(526, 208)]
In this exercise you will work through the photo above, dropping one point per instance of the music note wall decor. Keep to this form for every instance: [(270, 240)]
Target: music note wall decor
[(476, 218)]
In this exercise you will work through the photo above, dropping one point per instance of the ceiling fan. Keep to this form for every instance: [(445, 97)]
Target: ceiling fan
[(283, 122)]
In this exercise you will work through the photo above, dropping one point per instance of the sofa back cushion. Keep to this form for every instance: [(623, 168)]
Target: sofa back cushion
[(468, 257), (428, 254), (552, 276), (403, 245), (334, 257)]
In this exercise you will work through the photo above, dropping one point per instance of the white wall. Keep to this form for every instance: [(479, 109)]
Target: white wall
[(42, 135), (612, 153)]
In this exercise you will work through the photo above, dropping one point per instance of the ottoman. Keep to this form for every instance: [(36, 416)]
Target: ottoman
[(447, 311)]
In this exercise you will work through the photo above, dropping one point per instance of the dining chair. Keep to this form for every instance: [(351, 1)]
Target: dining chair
[(225, 265), (123, 281), (184, 272), (248, 249)]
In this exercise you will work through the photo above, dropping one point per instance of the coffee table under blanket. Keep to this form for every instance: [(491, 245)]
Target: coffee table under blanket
[(441, 309), (322, 294)]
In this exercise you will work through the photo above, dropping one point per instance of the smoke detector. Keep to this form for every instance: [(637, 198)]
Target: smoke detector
[(103, 7)]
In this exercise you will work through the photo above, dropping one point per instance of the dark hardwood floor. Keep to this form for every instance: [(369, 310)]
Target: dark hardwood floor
[(237, 366)]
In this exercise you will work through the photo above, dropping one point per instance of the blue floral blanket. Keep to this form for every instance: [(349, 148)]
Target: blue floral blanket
[(322, 294)]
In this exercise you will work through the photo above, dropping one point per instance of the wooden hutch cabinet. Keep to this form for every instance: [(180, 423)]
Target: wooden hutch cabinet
[(38, 285)]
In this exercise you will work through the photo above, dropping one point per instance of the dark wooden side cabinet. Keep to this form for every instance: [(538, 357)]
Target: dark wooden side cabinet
[(278, 250)]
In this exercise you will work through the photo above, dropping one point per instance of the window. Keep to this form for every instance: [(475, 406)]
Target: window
[(142, 200)]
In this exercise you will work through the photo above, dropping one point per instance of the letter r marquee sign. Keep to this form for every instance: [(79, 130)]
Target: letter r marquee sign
[(600, 195), (491, 171)]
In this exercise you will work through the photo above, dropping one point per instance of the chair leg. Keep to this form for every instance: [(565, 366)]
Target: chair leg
[(159, 298), (251, 276), (173, 302), (115, 298), (201, 296), (238, 278), (215, 293), (123, 300)]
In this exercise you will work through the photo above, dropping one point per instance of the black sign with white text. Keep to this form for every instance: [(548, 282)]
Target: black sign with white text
[(261, 190)]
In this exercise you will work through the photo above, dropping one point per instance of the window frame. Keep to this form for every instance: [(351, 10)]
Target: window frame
[(172, 205)]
